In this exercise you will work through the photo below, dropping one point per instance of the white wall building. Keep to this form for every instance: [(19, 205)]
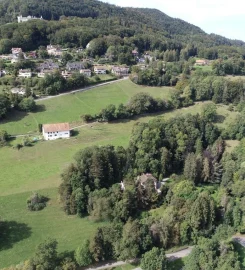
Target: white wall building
[(54, 50), (56, 131), (100, 70), (25, 73), (86, 72), (28, 18)]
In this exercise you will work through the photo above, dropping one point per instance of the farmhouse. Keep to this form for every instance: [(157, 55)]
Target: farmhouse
[(100, 70), (56, 131), (86, 72), (25, 73), (120, 71)]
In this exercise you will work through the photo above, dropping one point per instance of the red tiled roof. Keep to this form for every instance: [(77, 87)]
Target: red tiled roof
[(56, 127)]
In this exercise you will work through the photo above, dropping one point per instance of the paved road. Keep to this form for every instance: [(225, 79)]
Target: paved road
[(80, 90), (171, 256)]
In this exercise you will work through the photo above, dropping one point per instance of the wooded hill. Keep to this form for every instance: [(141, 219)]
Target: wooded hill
[(130, 21)]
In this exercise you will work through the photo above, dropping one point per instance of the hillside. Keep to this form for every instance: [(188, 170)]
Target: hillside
[(131, 21)]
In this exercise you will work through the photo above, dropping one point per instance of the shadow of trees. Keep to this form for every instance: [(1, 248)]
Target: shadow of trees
[(12, 232), (219, 119)]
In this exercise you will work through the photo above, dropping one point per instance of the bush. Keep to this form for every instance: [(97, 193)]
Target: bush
[(27, 104), (3, 137), (87, 117), (36, 202)]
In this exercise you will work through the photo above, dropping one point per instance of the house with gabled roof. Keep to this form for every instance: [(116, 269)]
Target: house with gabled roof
[(56, 131)]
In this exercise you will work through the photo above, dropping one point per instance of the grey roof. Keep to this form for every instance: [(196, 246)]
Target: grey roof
[(75, 65), (50, 65)]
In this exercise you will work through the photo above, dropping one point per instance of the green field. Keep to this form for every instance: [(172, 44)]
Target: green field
[(38, 168), (27, 229), (69, 108)]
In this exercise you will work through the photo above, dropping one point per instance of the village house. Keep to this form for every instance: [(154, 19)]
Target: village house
[(135, 53), (145, 177), (56, 131), (28, 18), (32, 54), (66, 74), (54, 50), (201, 62), (100, 70), (48, 65), (25, 73), (75, 66), (120, 71), (19, 91), (86, 72), (16, 51), (44, 72)]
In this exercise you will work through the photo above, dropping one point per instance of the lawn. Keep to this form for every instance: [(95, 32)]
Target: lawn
[(69, 108), (27, 229)]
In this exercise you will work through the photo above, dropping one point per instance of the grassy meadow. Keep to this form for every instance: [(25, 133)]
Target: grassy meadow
[(69, 108), (38, 168)]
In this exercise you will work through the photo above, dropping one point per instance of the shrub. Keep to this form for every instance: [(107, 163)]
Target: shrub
[(36, 202)]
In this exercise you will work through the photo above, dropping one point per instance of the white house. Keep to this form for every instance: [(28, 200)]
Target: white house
[(25, 73), (44, 72), (54, 50), (86, 72), (16, 51), (56, 131), (28, 18), (66, 74), (100, 70), (120, 71)]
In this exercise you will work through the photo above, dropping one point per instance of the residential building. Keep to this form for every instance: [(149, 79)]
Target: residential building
[(86, 72), (66, 74), (25, 73), (135, 53), (56, 131), (120, 71), (16, 51), (147, 177), (28, 18), (201, 62), (75, 66), (32, 54), (44, 72), (100, 70), (48, 65), (54, 50), (19, 91)]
